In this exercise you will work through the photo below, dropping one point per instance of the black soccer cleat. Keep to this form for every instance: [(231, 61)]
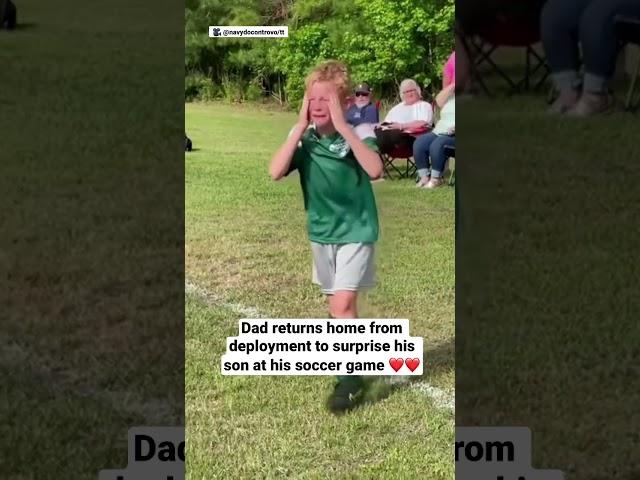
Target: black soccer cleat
[(347, 394)]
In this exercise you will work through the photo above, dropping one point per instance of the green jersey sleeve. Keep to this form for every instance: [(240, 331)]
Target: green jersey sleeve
[(371, 143)]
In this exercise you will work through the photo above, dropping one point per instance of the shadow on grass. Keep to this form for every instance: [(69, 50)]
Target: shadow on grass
[(25, 26), (438, 360)]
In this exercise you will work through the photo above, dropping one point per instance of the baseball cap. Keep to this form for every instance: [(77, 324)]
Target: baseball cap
[(363, 88)]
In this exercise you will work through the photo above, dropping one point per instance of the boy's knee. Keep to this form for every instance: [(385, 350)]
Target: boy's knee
[(341, 310), (343, 307)]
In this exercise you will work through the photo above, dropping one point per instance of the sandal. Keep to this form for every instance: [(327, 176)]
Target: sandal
[(435, 182)]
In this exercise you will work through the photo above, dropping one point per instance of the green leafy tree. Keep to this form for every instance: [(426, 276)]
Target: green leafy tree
[(383, 41)]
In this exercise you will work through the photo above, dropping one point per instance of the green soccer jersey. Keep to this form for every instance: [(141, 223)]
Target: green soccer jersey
[(337, 191)]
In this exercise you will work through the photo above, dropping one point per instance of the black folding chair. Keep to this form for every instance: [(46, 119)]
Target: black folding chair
[(450, 151), (535, 65), (516, 24), (628, 31), (404, 153)]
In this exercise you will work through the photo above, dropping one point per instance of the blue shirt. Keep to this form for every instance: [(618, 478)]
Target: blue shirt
[(366, 114)]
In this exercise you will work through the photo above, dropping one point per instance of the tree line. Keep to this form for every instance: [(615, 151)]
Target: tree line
[(382, 42)]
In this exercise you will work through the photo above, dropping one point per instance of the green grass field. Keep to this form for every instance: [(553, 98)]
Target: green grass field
[(90, 341), (546, 318), (246, 244)]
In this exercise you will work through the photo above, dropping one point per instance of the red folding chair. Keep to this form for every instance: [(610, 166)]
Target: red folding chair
[(402, 152), (398, 153), (516, 24)]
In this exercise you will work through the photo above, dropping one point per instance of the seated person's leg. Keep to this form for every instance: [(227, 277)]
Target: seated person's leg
[(3, 12), (600, 48), (438, 155), (560, 20), (421, 155), (12, 15)]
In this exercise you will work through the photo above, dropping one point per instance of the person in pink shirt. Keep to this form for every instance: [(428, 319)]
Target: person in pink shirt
[(449, 71)]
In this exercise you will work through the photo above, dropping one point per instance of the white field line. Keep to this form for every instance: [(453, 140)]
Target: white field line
[(440, 398), (214, 300)]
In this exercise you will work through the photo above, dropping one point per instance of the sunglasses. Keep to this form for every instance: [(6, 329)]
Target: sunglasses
[(361, 94)]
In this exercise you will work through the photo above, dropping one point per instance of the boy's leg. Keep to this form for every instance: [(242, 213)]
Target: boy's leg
[(354, 270), (345, 394), (324, 257), (343, 304), (349, 389)]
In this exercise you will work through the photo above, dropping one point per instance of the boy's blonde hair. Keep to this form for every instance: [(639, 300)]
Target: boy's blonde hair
[(332, 71)]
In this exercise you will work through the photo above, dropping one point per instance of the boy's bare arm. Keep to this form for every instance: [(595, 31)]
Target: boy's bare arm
[(368, 159), (281, 160)]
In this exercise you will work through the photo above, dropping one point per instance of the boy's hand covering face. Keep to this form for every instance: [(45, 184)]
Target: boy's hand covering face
[(336, 111), (303, 117)]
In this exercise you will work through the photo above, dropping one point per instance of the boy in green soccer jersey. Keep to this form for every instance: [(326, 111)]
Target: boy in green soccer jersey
[(336, 164)]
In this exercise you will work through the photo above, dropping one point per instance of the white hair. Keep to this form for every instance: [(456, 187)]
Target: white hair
[(408, 82)]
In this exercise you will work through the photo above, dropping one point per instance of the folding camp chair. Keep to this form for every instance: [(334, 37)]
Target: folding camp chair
[(450, 151), (516, 25), (628, 31), (402, 152), (399, 153)]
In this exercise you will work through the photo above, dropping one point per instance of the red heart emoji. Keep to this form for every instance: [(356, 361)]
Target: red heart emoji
[(412, 363), (396, 363)]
